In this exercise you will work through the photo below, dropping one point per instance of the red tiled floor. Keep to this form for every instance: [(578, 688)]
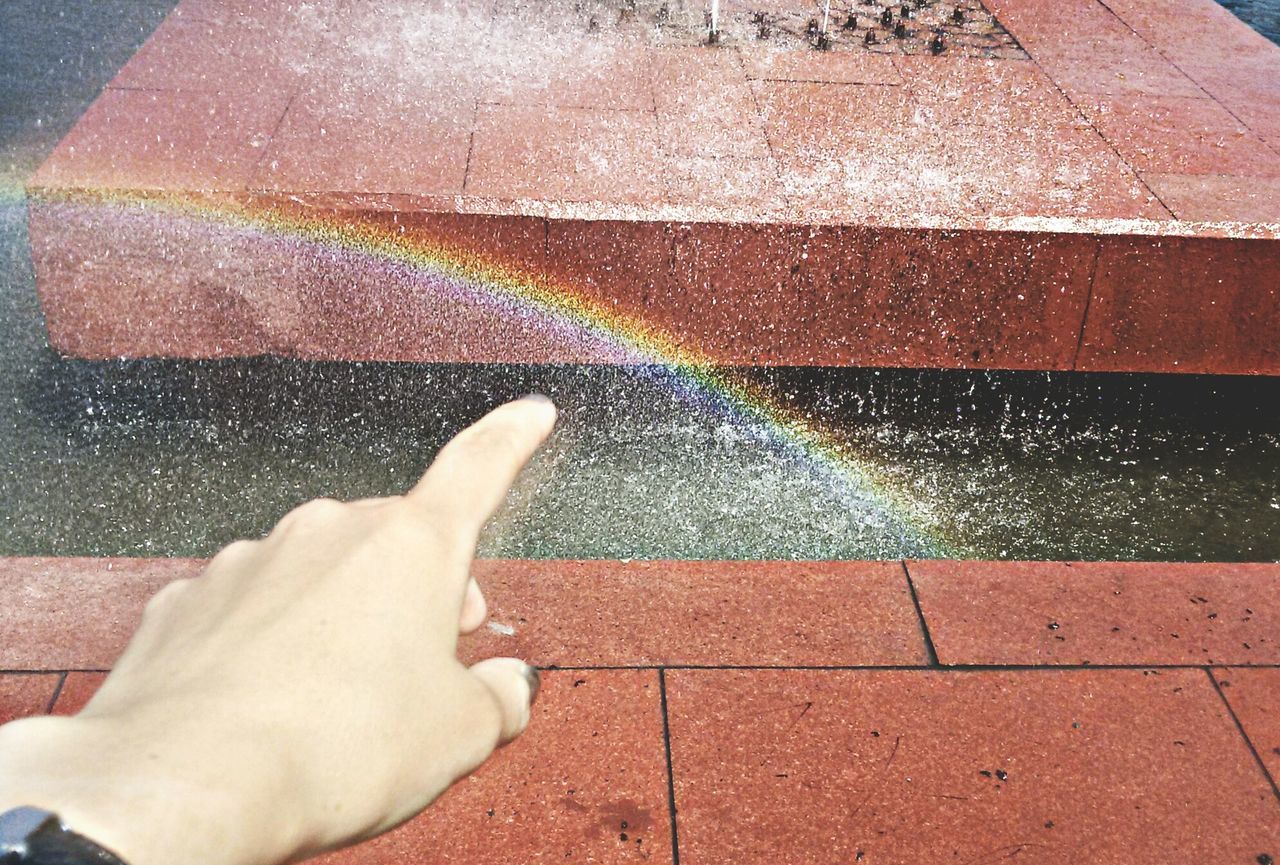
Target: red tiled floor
[(1250, 91), (877, 153), (976, 92), (1184, 305), (261, 49), (1128, 68), (1181, 136), (1100, 613), (1193, 31), (573, 154), (23, 694), (77, 688), (1254, 695), (706, 108), (587, 75), (164, 139), (712, 613), (76, 613), (326, 147), (585, 783), (1213, 198), (1111, 767)]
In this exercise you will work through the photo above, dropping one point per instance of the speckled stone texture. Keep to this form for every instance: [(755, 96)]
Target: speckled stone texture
[(23, 694), (698, 613), (794, 742), (1100, 612), (586, 783), (1254, 695), (76, 613), (1090, 195), (1105, 766)]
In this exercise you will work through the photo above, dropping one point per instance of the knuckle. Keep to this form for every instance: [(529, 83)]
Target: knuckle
[(234, 551), (312, 513), (166, 597)]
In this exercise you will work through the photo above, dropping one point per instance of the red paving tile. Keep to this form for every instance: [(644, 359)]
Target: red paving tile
[(76, 613), (1211, 198), (1194, 31), (899, 154), (163, 140), (1184, 305), (978, 92), (325, 147), (1100, 613), (210, 289), (1250, 91), (1181, 136), (260, 49), (698, 613), (586, 782), (866, 297), (1111, 766), (23, 694), (706, 109), (530, 151), (1254, 695), (1125, 68)]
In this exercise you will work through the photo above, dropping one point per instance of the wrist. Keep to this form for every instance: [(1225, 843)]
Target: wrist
[(132, 789)]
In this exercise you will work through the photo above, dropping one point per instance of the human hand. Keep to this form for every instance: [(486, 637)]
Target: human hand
[(304, 691)]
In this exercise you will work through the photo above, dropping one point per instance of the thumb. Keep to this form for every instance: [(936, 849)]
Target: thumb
[(513, 684)]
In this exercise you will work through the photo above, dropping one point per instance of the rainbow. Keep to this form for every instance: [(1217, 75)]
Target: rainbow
[(685, 368)]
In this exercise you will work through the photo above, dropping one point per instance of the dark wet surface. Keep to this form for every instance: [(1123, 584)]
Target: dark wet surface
[(153, 458), (1261, 15)]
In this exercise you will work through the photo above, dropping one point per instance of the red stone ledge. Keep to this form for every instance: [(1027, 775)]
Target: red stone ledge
[(77, 613), (946, 296), (1074, 613)]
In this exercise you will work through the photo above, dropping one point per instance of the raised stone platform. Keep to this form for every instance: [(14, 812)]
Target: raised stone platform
[(1035, 184)]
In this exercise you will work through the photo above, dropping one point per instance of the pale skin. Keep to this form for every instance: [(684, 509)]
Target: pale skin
[(304, 692)]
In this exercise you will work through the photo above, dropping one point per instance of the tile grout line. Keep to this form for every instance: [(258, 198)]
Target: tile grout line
[(940, 668), (1174, 63), (671, 773), (1088, 302), (920, 668), (1213, 680), (57, 692), (1081, 114), (931, 651), (256, 171)]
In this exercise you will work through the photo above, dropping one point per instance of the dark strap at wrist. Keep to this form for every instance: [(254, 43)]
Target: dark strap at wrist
[(51, 843)]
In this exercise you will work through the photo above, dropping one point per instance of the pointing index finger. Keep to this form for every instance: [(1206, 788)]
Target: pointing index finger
[(472, 474)]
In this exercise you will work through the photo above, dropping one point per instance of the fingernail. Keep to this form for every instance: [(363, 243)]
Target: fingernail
[(537, 397), (534, 678)]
